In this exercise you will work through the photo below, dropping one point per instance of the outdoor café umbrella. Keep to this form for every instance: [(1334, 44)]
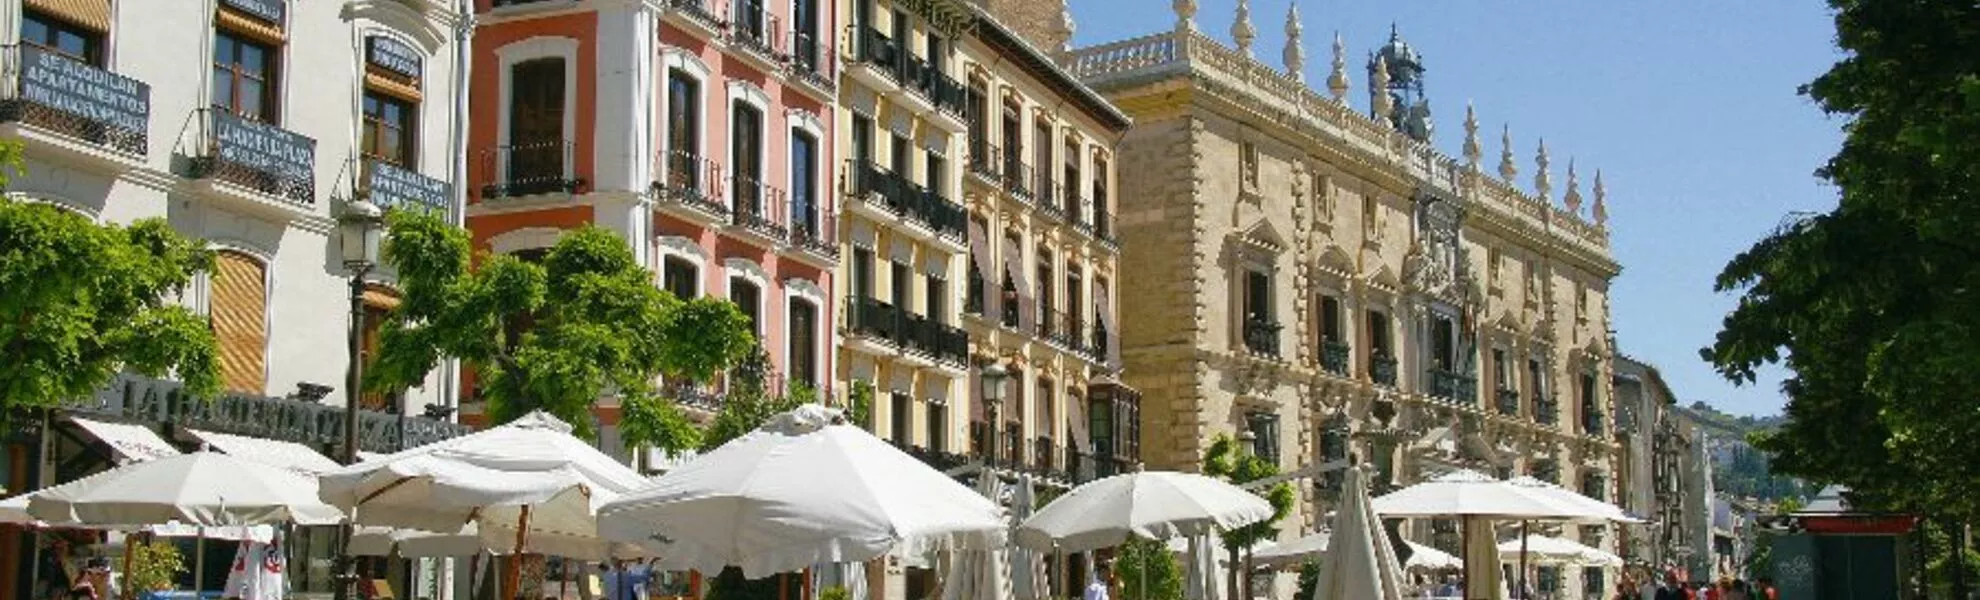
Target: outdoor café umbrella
[(803, 489), (981, 574), (201, 488), (1478, 500), (1361, 565), (1552, 550), (1157, 505), (529, 486)]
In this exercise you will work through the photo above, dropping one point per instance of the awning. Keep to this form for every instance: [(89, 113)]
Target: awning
[(132, 443), (275, 453), (364, 456)]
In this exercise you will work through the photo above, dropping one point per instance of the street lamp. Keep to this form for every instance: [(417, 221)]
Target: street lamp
[(993, 377), (359, 231)]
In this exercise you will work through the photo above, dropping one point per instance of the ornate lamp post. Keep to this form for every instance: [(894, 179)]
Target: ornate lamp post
[(359, 230), (993, 377)]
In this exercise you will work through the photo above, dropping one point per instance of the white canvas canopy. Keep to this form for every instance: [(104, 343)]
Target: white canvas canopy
[(1361, 565), (201, 489), (530, 474), (1157, 505), (1548, 550), (804, 489)]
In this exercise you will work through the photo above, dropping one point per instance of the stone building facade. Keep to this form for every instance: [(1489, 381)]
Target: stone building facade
[(1321, 278), (1657, 439)]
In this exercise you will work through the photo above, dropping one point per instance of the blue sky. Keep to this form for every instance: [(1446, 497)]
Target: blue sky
[(1689, 108)]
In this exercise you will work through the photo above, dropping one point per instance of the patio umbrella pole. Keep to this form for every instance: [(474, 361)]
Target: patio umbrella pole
[(1464, 526), (129, 542), (515, 566), (199, 561), (1522, 558)]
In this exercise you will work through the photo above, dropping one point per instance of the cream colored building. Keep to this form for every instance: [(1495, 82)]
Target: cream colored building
[(1332, 285)]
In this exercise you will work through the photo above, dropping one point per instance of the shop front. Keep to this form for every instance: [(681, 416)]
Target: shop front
[(139, 418)]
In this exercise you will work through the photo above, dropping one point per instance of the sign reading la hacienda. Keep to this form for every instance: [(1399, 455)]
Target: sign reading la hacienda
[(394, 187), (263, 147), (267, 10), (61, 83), (393, 55)]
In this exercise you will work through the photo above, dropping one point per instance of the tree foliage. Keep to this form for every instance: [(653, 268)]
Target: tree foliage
[(80, 302), (1163, 575), (749, 403), (1224, 459), (1871, 305), (556, 335)]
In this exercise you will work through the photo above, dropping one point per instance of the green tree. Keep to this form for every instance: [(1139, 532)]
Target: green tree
[(1139, 563), (585, 322), (749, 403), (1309, 579), (1871, 305), (1224, 459), (80, 302)]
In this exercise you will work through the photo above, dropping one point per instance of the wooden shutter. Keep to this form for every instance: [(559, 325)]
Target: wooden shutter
[(239, 315)]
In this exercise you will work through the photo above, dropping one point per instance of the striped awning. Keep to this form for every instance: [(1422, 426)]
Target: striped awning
[(92, 14)]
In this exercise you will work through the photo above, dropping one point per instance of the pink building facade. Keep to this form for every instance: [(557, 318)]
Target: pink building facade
[(700, 130)]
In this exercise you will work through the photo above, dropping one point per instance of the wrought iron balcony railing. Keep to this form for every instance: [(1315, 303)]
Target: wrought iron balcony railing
[(761, 208), (703, 11), (1592, 424), (1456, 387), (693, 181), (1382, 369), (817, 233), (1508, 402), (1103, 223), (813, 62), (1262, 337), (74, 99), (985, 160), (1334, 356), (756, 30), (908, 199), (1546, 411), (259, 156)]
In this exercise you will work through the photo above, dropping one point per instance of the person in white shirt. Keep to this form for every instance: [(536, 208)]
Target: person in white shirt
[(1097, 588)]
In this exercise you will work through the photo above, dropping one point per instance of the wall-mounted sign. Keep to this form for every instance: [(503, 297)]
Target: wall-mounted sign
[(263, 147), (392, 187), (271, 11), (393, 55), (61, 83)]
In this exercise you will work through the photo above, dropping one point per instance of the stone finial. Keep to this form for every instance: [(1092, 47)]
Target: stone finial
[(1185, 14), (1543, 182), (1241, 30), (1573, 197), (1601, 209), (1066, 28), (1382, 104), (1508, 170), (1294, 54), (1337, 82), (1472, 152)]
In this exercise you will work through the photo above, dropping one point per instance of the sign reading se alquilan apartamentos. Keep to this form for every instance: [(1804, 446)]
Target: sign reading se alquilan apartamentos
[(395, 187), (264, 147), (62, 83), (393, 55), (271, 11)]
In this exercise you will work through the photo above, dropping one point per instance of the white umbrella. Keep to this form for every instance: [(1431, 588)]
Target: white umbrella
[(201, 489), (1478, 499), (983, 574), (1293, 553), (1028, 576), (1361, 564), (804, 489), (1482, 575), (411, 543), (1151, 504), (1552, 550), (1202, 580), (1432, 559), (1466, 493), (1571, 502), (530, 475)]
